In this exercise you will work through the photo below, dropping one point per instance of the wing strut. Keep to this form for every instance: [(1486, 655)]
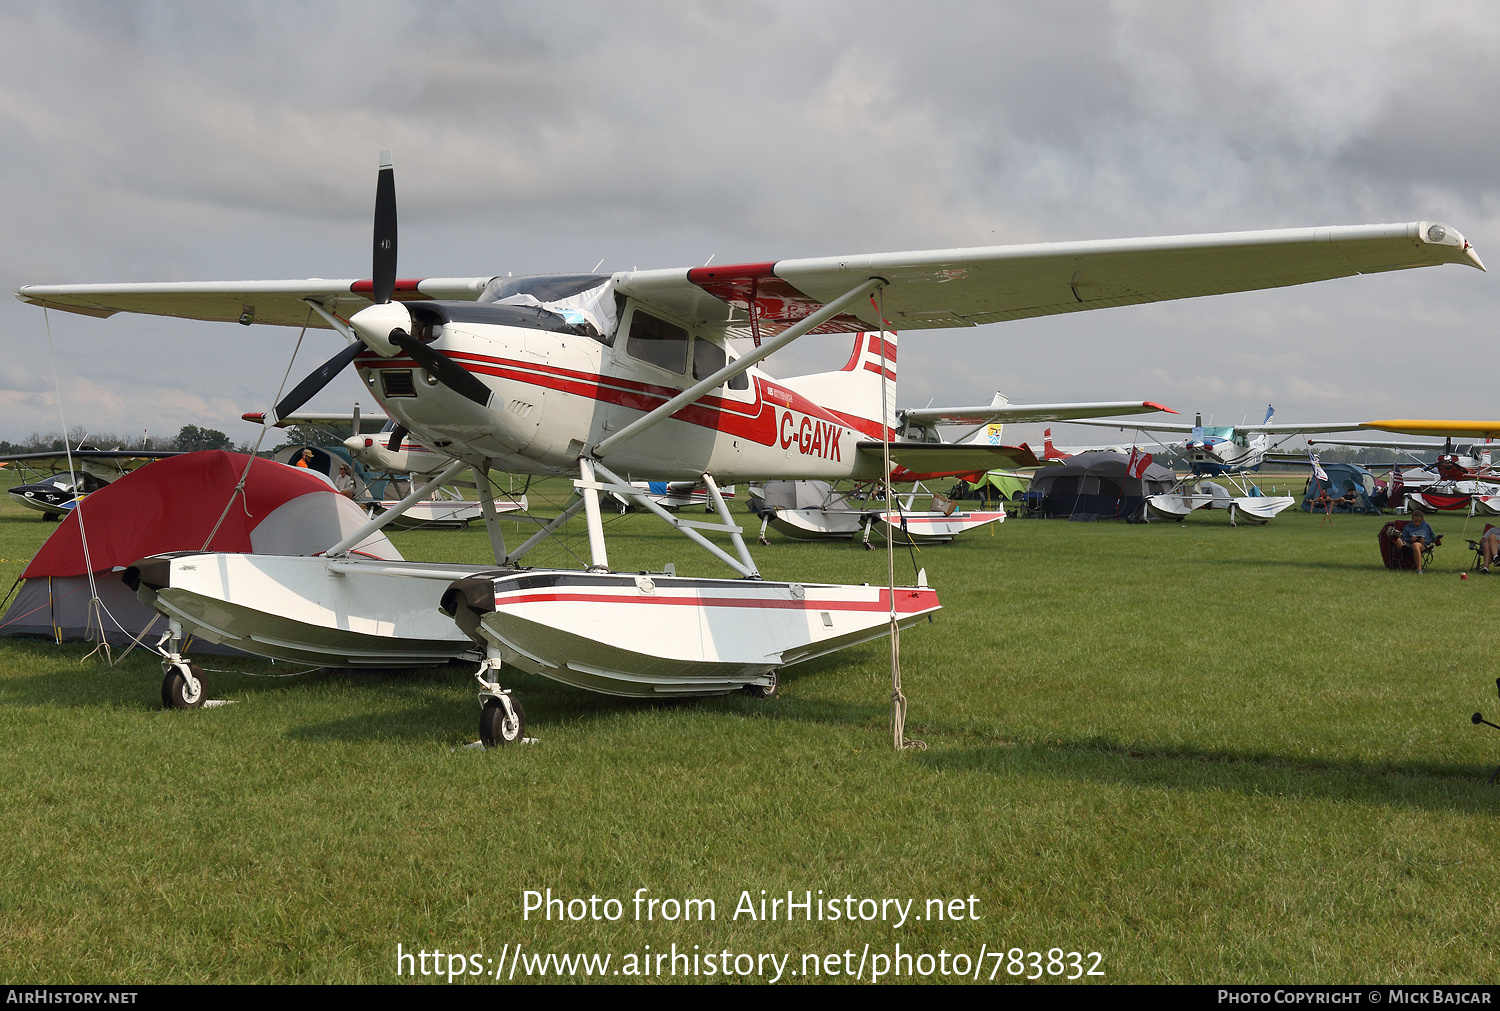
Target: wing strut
[(737, 366), (397, 510)]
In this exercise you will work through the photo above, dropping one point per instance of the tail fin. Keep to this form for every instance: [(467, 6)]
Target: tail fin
[(855, 390), (1049, 451)]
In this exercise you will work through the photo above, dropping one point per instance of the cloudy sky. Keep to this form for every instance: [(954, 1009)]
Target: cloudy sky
[(189, 141)]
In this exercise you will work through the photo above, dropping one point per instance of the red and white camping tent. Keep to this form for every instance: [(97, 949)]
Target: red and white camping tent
[(174, 505)]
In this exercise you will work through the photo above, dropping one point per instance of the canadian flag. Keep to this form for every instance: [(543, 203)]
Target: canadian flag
[(1138, 463)]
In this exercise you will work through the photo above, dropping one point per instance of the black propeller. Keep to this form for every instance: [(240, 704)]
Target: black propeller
[(373, 331), (397, 434), (383, 260), (304, 391)]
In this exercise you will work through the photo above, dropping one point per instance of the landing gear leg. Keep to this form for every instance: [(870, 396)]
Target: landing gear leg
[(501, 718), (182, 684)]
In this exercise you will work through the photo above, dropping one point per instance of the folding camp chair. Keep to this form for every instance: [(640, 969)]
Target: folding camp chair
[(1395, 555), (1478, 549)]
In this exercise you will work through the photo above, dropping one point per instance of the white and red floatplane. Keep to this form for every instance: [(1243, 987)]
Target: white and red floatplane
[(624, 377)]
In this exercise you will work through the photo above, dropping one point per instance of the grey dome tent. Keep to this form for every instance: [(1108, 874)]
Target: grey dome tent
[(1095, 485)]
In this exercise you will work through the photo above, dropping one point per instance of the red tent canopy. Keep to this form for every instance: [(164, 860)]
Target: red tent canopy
[(167, 505)]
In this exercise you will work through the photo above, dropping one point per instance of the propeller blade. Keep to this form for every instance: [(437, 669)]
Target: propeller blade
[(383, 267), (305, 390), (394, 442), (356, 419), (442, 368)]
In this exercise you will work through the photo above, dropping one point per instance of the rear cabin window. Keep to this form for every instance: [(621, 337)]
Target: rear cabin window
[(709, 358), (657, 342)]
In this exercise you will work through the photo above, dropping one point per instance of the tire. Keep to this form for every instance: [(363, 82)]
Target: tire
[(174, 688), (495, 729), (765, 691)]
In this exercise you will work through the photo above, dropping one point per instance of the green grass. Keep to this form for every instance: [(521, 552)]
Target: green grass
[(1209, 754)]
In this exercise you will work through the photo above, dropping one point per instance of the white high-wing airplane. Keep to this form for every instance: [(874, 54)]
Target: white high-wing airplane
[(1226, 451), (627, 376), (1223, 450)]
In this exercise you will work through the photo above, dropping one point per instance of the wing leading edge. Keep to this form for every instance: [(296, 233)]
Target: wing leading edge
[(924, 290), (990, 284)]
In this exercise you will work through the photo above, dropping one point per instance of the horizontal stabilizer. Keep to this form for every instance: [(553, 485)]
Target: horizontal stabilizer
[(921, 461)]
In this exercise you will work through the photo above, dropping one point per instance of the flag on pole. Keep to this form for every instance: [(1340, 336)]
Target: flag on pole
[(1136, 466), (1318, 470)]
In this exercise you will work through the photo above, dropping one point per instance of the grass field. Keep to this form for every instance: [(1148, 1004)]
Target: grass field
[(1207, 754)]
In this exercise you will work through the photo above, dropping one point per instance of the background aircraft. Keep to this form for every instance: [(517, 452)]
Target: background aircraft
[(75, 475), (1221, 450)]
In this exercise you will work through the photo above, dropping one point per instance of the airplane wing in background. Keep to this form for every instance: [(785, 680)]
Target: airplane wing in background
[(924, 290), (1167, 426), (1337, 426), (1377, 444), (1022, 413), (1447, 429), (368, 423), (125, 459)]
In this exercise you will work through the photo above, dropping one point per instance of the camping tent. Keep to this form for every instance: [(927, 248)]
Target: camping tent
[(173, 505), (996, 485), (1341, 478), (794, 495), (1095, 485)]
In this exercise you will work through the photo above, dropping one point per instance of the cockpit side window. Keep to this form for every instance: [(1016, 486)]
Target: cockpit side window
[(709, 358), (657, 342)]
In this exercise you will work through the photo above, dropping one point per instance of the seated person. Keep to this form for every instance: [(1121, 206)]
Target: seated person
[(1489, 548), (1347, 501), (1322, 500), (1416, 535)]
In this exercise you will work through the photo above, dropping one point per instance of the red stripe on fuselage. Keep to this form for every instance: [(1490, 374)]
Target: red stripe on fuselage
[(755, 421)]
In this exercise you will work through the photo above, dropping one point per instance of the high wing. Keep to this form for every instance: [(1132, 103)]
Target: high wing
[(989, 284), (921, 461), (1167, 426), (923, 290), (280, 303), (1449, 429), (1019, 413)]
